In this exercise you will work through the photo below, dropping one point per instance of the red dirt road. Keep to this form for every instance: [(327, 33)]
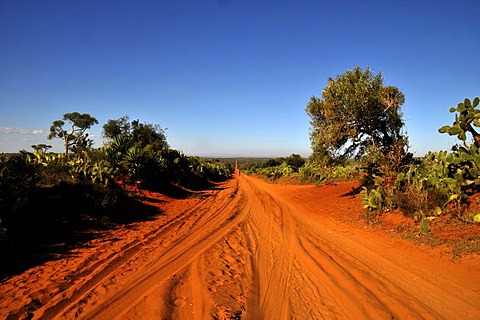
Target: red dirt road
[(249, 250)]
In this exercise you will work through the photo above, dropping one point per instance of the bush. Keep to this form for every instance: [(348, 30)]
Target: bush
[(313, 173), (17, 184)]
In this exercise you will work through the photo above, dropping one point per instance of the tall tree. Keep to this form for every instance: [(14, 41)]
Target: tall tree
[(77, 136), (355, 113)]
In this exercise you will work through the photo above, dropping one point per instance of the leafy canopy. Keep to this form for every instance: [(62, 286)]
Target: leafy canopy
[(355, 114), (135, 133), (76, 138), (117, 127)]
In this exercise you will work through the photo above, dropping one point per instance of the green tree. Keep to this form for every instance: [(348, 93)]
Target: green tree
[(114, 128), (147, 134), (76, 138), (140, 135), (295, 161), (355, 115)]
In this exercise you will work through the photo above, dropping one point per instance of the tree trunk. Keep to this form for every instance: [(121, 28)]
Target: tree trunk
[(476, 136)]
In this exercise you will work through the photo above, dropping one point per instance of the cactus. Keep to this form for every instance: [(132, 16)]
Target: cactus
[(467, 117)]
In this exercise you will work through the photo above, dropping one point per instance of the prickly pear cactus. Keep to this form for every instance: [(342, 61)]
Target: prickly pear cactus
[(466, 118)]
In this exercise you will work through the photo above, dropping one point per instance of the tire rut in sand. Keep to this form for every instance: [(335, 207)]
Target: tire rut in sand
[(307, 271), (272, 253), (99, 267), (214, 285), (216, 218), (252, 252)]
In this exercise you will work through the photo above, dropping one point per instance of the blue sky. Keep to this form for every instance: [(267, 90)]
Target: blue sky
[(228, 77)]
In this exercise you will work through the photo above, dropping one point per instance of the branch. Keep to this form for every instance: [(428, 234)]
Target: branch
[(475, 134)]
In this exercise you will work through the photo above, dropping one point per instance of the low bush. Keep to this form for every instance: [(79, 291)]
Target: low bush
[(441, 182)]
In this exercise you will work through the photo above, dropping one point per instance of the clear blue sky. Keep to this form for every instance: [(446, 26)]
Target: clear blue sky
[(228, 77)]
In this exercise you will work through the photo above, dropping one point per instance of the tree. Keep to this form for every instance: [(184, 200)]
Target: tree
[(355, 114), (77, 137), (41, 147), (295, 161), (140, 135), (114, 128), (147, 134)]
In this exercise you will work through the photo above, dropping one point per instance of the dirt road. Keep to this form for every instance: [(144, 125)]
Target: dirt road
[(249, 250)]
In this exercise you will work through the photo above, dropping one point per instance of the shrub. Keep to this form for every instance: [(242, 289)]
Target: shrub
[(17, 183)]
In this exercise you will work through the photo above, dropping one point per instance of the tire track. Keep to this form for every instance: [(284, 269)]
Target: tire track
[(94, 275), (248, 252), (273, 260), (189, 247), (341, 281)]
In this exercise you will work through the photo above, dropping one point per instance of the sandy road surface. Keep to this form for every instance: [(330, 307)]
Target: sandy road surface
[(249, 251)]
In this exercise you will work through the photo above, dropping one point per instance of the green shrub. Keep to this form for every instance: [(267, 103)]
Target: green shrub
[(313, 173)]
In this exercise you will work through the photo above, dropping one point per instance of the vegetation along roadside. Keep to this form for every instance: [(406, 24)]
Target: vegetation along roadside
[(51, 200), (357, 132)]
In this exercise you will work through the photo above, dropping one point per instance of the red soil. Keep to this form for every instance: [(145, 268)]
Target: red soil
[(253, 250)]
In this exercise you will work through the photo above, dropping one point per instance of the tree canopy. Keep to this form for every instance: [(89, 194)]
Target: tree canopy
[(77, 137), (42, 147), (355, 113), (117, 127), (136, 133)]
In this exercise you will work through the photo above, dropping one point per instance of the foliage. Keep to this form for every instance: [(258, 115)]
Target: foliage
[(467, 115), (312, 172), (276, 172), (306, 170), (3, 231), (278, 167), (140, 135), (208, 169), (356, 112), (146, 134), (116, 150), (85, 169), (51, 168), (375, 200), (17, 182), (118, 127), (140, 152), (144, 166), (42, 147), (295, 161), (441, 182), (77, 138), (42, 193), (424, 188)]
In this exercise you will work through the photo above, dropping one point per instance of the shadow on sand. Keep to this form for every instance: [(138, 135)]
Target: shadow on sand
[(66, 217), (38, 240)]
